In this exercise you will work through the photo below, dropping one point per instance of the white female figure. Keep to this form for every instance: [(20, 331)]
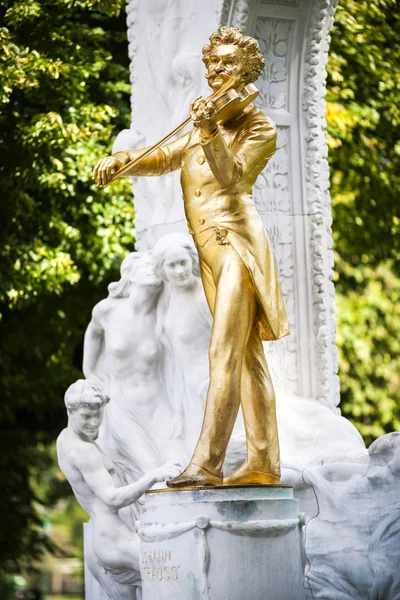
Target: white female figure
[(121, 351), (184, 327)]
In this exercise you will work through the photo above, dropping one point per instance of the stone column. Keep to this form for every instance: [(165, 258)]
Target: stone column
[(292, 195)]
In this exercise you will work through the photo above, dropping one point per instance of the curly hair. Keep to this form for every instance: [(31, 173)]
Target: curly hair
[(84, 393), (253, 60)]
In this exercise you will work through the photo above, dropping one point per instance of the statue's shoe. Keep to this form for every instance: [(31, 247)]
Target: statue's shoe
[(193, 477), (245, 475)]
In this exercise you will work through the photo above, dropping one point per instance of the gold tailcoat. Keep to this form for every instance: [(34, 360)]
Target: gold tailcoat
[(218, 173)]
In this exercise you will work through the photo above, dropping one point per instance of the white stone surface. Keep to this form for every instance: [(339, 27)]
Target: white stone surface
[(352, 541), (221, 543), (310, 433)]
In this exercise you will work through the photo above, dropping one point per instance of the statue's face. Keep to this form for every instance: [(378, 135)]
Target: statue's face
[(225, 61), (178, 268), (144, 273), (86, 421)]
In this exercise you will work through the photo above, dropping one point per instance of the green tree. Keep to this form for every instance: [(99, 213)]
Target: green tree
[(364, 139), (64, 92)]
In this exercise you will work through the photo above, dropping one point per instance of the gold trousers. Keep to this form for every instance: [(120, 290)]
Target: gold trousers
[(239, 373)]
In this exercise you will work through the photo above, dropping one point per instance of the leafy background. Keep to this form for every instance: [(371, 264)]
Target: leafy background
[(364, 140), (64, 93)]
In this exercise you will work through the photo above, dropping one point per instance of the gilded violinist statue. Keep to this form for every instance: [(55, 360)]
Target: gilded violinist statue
[(220, 161)]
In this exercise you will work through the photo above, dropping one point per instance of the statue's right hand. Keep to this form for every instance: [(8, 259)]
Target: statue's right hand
[(106, 167), (168, 471)]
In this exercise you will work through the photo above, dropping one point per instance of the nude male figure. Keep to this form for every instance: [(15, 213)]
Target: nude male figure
[(95, 483), (219, 164)]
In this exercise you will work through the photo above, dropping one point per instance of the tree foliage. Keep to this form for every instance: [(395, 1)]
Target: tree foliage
[(64, 91), (364, 139)]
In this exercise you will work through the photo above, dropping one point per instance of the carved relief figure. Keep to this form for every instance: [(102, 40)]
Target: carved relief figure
[(96, 485), (121, 351), (220, 163), (184, 326)]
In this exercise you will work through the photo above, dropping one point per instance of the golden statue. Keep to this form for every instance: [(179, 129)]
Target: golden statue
[(220, 160)]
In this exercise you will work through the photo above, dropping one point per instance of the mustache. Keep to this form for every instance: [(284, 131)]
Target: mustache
[(213, 75)]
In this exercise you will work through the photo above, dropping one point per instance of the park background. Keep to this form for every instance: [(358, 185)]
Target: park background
[(64, 95)]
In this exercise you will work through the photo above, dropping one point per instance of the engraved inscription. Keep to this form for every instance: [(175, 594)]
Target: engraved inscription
[(156, 566)]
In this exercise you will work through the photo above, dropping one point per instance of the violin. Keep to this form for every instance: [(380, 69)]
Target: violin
[(228, 101)]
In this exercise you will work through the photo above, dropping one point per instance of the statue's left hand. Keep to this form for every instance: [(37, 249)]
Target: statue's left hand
[(204, 114), (106, 167)]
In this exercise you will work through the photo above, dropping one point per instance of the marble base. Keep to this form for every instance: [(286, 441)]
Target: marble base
[(219, 543)]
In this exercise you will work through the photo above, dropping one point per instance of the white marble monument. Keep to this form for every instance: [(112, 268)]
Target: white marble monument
[(147, 346)]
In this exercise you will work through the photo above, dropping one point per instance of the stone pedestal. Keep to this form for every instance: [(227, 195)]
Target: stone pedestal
[(214, 544)]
